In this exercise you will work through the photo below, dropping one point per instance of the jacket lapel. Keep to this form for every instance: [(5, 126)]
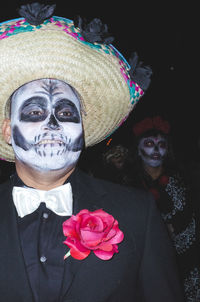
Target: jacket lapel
[(12, 263), (84, 197)]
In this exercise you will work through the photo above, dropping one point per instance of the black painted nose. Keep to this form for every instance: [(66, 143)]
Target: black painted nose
[(156, 148), (52, 123)]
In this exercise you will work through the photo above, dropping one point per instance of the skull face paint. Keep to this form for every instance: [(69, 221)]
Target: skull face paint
[(153, 150), (46, 125)]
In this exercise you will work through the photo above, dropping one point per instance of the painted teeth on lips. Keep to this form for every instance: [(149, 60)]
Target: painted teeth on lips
[(156, 156), (50, 141)]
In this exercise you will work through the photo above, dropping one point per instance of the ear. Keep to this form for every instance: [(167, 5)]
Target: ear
[(6, 131)]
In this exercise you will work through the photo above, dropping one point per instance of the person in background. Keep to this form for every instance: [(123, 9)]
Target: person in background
[(155, 170), (115, 165)]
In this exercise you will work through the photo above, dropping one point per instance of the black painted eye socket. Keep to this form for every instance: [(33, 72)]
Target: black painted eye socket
[(148, 143), (66, 111), (34, 115), (34, 110), (163, 145), (67, 116)]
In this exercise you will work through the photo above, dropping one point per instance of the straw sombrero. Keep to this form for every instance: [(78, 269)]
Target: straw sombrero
[(54, 47)]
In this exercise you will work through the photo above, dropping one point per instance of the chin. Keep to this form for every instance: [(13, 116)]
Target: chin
[(49, 163), (155, 164)]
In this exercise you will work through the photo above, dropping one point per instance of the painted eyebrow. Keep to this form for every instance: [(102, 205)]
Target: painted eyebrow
[(35, 100)]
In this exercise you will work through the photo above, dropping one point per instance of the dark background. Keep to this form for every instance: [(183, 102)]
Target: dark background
[(165, 34)]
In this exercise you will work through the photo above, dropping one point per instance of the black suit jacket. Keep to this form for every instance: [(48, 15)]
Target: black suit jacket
[(143, 270)]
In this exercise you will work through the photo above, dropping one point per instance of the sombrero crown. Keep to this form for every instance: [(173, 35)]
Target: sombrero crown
[(39, 46)]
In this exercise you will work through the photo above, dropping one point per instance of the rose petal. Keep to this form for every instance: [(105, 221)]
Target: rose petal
[(119, 236), (76, 249), (90, 239), (77, 254), (69, 227), (106, 218), (110, 233), (82, 212), (93, 223), (70, 222), (105, 246), (72, 243), (104, 255)]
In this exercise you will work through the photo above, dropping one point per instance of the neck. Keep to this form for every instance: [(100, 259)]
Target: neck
[(42, 180), (154, 172)]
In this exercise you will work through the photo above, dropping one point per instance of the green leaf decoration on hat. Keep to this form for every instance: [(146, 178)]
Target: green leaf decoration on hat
[(94, 31), (139, 73), (35, 13)]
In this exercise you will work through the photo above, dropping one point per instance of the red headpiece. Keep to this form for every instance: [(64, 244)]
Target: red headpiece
[(156, 123)]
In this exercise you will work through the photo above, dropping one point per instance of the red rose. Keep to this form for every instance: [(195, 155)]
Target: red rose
[(161, 124), (143, 126), (95, 231), (151, 123), (164, 179)]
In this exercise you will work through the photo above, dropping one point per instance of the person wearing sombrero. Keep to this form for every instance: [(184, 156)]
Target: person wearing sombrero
[(66, 236)]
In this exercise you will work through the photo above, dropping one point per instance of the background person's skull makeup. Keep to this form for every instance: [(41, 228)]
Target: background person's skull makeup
[(46, 125), (153, 150)]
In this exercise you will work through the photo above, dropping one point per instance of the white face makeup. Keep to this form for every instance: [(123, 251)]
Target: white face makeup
[(153, 150), (46, 125)]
